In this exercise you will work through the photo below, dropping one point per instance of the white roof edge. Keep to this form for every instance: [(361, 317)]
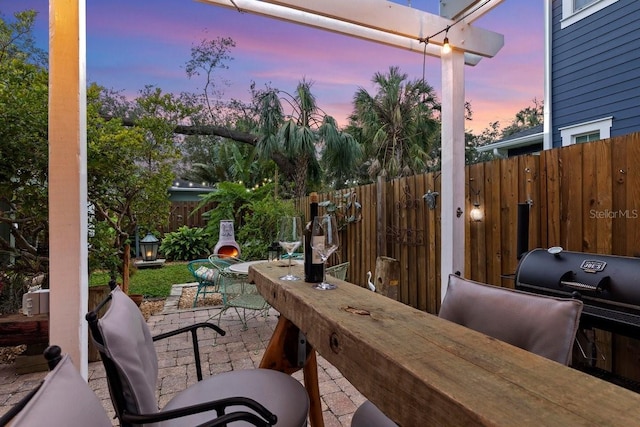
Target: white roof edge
[(192, 189), (513, 143)]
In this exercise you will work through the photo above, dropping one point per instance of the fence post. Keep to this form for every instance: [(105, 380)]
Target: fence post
[(381, 217)]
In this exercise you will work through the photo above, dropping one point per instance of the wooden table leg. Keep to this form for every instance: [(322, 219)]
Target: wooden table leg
[(281, 355), (310, 372)]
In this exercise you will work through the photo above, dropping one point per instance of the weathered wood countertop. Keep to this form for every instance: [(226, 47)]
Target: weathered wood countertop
[(423, 370)]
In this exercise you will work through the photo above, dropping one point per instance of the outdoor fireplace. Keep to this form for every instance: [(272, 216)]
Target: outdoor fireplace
[(227, 244)]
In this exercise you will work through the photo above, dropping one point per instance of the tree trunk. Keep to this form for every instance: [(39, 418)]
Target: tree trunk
[(125, 268), (300, 176), (387, 276)]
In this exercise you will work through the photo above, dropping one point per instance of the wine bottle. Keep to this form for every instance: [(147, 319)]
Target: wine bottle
[(313, 266)]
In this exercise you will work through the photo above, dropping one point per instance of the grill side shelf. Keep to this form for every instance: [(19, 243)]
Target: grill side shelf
[(611, 320)]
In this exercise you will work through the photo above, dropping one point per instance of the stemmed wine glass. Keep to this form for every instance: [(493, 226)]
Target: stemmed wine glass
[(290, 238), (325, 241)]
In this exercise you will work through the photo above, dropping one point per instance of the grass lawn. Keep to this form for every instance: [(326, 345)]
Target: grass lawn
[(150, 282)]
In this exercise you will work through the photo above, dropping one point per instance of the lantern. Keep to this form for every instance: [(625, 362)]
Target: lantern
[(149, 247), (274, 252)]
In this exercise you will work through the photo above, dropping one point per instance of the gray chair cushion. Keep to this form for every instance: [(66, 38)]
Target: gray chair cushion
[(128, 342), (64, 399), (280, 393), (368, 415), (542, 325)]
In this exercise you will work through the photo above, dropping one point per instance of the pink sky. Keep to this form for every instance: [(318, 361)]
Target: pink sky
[(134, 43)]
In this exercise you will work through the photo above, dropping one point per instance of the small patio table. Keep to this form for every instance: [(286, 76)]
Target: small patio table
[(243, 267), (420, 369)]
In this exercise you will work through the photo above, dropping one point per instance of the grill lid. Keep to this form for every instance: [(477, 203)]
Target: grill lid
[(601, 280)]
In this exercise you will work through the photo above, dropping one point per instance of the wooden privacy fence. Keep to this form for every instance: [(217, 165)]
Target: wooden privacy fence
[(585, 198), (184, 213)]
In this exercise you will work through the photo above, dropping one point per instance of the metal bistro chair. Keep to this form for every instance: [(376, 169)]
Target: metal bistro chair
[(206, 277), (542, 325), (236, 292), (339, 271), (128, 354)]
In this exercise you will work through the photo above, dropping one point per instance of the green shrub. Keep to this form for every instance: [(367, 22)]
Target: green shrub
[(255, 213), (186, 244), (261, 225)]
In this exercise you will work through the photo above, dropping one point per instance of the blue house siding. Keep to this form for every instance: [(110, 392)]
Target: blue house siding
[(596, 69)]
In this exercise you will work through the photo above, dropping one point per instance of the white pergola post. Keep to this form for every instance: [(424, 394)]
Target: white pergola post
[(452, 215), (68, 269)]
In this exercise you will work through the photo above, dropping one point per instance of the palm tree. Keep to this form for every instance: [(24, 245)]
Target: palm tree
[(300, 135), (397, 125)]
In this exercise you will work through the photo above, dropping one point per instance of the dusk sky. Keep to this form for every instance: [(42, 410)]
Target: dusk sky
[(133, 43)]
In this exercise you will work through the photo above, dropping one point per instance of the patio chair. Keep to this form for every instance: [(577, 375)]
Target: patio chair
[(236, 292), (130, 360), (227, 284), (542, 325), (339, 271), (62, 398), (206, 277)]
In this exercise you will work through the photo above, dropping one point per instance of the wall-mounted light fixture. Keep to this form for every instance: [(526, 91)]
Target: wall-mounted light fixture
[(476, 213)]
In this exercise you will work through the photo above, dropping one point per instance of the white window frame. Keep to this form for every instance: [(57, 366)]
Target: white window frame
[(569, 133), (569, 16)]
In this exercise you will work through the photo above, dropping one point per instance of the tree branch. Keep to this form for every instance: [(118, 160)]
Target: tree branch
[(284, 164)]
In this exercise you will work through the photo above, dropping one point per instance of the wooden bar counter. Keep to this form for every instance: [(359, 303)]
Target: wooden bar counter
[(423, 370)]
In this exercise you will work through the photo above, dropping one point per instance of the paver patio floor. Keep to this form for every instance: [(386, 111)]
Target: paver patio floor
[(238, 349)]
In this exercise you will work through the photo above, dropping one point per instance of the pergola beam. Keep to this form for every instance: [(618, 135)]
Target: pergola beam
[(337, 26), (403, 21), (456, 9)]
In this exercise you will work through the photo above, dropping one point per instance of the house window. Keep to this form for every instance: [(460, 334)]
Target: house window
[(588, 137), (586, 132), (579, 4), (575, 10)]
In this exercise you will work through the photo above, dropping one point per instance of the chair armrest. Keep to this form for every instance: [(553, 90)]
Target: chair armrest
[(194, 335), (220, 405), (189, 328), (237, 416)]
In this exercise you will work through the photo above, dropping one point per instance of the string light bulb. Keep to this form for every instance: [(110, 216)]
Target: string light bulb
[(446, 47)]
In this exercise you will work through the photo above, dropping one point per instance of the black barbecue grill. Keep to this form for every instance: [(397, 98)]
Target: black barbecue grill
[(608, 285)]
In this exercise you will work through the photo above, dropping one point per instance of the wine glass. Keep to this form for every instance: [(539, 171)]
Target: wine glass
[(325, 241), (290, 238)]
